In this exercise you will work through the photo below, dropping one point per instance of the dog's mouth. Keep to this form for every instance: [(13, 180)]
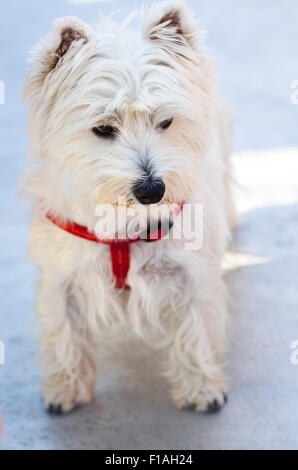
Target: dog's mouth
[(156, 230), (155, 224)]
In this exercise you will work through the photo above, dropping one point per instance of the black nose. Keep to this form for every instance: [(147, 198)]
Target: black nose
[(150, 191)]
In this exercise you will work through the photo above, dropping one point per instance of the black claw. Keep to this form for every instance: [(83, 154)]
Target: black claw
[(214, 406), (55, 409)]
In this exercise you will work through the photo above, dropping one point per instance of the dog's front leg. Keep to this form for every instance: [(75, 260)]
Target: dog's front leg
[(68, 353), (193, 363)]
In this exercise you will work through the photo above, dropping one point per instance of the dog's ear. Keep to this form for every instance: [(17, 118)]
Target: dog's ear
[(171, 22), (68, 37), (70, 31), (69, 34)]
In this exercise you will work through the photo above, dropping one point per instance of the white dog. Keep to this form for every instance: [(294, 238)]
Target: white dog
[(131, 120)]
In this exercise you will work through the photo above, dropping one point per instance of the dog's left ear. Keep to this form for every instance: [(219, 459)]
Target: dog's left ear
[(171, 22)]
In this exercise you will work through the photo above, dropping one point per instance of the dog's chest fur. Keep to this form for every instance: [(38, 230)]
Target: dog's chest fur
[(84, 270)]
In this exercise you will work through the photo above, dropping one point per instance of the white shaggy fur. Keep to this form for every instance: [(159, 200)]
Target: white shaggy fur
[(177, 301)]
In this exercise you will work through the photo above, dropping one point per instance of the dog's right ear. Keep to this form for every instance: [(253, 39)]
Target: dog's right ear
[(69, 34), (68, 37)]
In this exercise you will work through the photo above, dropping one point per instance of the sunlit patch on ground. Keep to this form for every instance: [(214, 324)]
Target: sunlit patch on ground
[(266, 178), (241, 260)]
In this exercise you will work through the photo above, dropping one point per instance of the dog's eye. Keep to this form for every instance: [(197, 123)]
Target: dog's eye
[(104, 131), (165, 124)]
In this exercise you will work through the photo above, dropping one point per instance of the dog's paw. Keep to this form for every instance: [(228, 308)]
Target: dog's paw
[(209, 399), (216, 405), (60, 405)]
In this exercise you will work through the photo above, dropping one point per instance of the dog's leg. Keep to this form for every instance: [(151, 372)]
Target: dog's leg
[(193, 361), (68, 353)]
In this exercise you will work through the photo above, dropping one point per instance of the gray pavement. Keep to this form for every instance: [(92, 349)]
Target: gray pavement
[(256, 46)]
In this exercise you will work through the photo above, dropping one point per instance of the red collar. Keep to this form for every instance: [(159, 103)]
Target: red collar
[(119, 249)]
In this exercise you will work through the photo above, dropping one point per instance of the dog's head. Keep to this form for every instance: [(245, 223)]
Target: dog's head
[(120, 116)]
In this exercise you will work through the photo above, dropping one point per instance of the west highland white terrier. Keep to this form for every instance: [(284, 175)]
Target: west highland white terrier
[(133, 122)]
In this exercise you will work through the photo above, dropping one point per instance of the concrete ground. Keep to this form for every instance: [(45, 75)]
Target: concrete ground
[(256, 46)]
